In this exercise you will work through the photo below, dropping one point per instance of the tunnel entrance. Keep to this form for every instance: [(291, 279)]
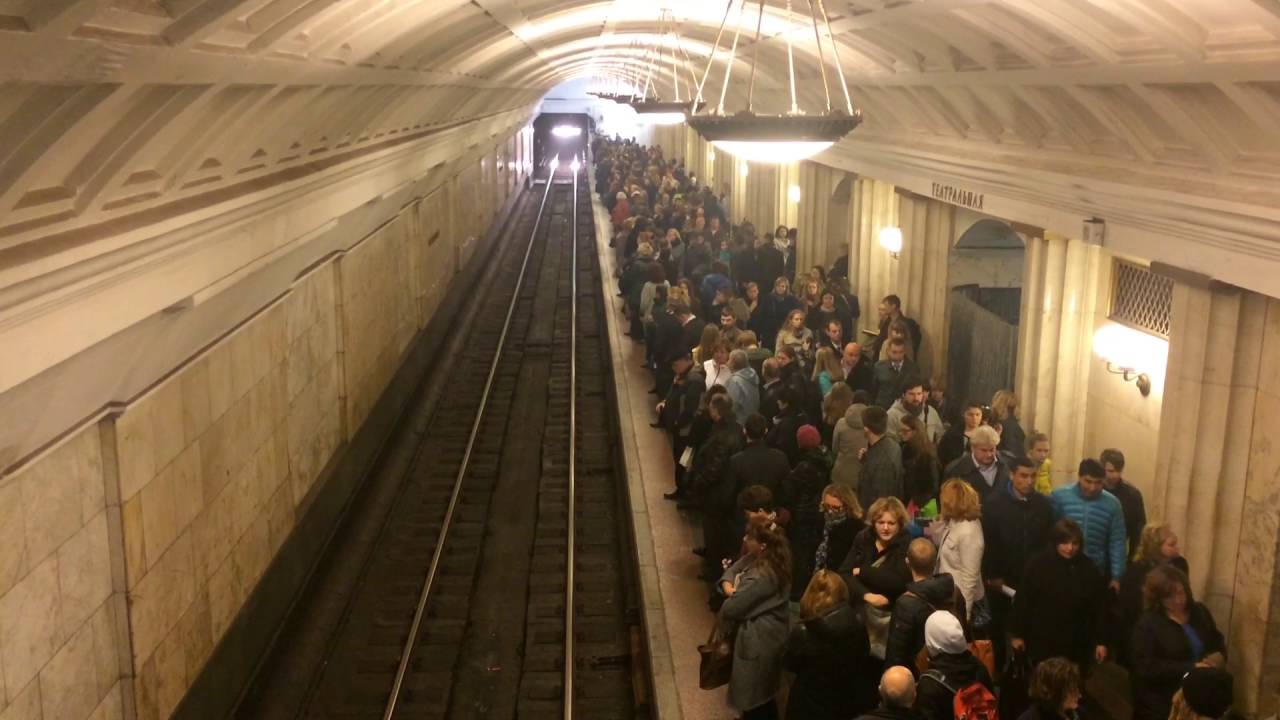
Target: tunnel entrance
[(563, 134)]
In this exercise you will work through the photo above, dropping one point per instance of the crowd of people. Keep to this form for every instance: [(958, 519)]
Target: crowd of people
[(874, 548)]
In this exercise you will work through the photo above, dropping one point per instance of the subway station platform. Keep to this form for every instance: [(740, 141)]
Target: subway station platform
[(676, 618)]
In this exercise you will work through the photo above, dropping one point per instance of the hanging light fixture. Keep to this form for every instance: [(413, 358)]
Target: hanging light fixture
[(787, 137), (656, 111)]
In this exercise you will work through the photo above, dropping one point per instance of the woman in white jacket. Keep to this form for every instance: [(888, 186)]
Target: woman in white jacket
[(958, 535)]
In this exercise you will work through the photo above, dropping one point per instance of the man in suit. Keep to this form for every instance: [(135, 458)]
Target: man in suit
[(889, 373)]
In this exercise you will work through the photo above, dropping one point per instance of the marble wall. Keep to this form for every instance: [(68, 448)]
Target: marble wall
[(127, 550), (62, 620)]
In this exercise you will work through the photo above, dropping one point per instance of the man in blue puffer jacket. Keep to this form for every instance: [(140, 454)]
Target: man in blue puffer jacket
[(1100, 517)]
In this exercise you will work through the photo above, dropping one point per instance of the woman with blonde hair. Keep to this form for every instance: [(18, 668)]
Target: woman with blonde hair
[(836, 403), (1158, 545), (756, 590), (827, 370), (1004, 408), (796, 336), (842, 521), (707, 344), (958, 534), (829, 654)]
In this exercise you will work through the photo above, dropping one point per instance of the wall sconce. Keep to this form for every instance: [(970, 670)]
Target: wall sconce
[(743, 170), (1131, 354), (891, 240), (793, 193), (711, 154)]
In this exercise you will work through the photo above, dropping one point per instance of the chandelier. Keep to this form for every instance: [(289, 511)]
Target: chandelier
[(787, 137), (656, 111)]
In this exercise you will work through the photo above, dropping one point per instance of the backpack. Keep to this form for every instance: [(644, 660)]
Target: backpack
[(972, 702)]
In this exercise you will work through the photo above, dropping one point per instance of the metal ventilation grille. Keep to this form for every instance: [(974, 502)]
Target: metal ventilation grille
[(1141, 298)]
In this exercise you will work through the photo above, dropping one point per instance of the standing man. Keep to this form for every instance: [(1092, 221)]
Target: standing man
[(891, 309), (857, 369), (1100, 517), (889, 373), (676, 412), (712, 484), (912, 402), (882, 467), (1130, 497), (981, 467), (1015, 525), (832, 337)]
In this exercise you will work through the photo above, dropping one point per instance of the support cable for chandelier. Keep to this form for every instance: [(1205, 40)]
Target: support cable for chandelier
[(657, 111), (793, 135)]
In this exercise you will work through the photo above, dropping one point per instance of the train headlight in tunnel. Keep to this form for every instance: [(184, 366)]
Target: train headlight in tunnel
[(566, 131)]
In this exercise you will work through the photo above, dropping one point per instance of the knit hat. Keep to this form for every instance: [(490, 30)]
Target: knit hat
[(807, 437), (1208, 691), (943, 634)]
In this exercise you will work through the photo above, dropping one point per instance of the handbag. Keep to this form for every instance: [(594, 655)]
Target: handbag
[(980, 616), (1014, 684), (716, 666)]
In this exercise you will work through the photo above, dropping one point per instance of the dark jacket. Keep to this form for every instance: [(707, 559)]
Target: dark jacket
[(742, 266), (1013, 530), (803, 491), (759, 464), (682, 401), (1161, 655), (1013, 439), (783, 434), (773, 312), (891, 713), (885, 380), (861, 377), (830, 657), (839, 541), (1129, 601), (921, 476), (966, 468), (883, 573), (710, 478), (770, 265), (912, 609), (1061, 608), (913, 331), (1135, 514), (881, 474), (936, 700), (953, 445)]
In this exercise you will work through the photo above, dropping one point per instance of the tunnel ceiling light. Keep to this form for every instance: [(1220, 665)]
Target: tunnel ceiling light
[(787, 137), (566, 131)]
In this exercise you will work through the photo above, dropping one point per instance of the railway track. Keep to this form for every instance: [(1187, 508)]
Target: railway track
[(455, 591)]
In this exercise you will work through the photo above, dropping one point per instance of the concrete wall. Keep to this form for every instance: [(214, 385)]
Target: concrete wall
[(127, 550)]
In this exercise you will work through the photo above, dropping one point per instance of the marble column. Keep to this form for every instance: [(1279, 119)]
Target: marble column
[(1218, 473), (1060, 295), (875, 206), (920, 274)]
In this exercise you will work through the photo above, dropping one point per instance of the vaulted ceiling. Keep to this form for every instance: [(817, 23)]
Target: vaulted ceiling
[(115, 113)]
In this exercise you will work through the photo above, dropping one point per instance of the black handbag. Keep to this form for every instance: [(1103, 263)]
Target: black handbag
[(717, 658), (1014, 683)]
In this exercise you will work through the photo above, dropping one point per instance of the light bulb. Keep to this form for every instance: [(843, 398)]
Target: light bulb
[(772, 152), (891, 239), (793, 193), (743, 170), (1130, 349)]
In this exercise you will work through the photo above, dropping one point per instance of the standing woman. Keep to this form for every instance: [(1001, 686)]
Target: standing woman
[(1054, 691), (834, 407), (1158, 545), (796, 336), (1004, 408), (958, 535), (841, 523), (1061, 606), (811, 300), (803, 488), (1175, 635), (827, 370), (653, 294), (876, 567), (921, 470), (847, 442), (829, 654), (756, 588), (706, 348)]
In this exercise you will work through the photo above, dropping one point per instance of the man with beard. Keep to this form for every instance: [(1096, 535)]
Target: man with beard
[(911, 401)]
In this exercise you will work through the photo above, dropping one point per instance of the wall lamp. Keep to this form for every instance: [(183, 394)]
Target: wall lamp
[(793, 193), (1131, 354), (891, 240)]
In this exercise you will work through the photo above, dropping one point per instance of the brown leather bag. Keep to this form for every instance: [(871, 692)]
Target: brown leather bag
[(717, 658)]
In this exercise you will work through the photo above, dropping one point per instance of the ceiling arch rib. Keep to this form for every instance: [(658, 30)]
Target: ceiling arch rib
[(1173, 86)]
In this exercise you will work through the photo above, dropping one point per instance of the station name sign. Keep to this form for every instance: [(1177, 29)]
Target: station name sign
[(957, 196)]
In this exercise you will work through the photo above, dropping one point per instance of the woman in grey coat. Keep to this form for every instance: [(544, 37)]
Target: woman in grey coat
[(756, 589), (847, 441)]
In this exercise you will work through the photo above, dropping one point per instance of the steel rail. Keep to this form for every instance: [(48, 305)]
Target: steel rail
[(573, 451), (415, 628)]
